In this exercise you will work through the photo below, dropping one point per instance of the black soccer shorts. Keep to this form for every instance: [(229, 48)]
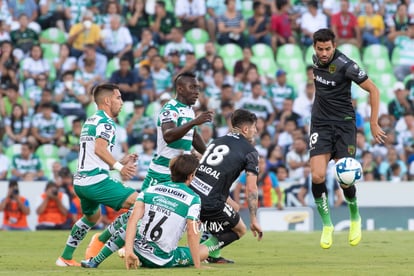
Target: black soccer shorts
[(219, 221)]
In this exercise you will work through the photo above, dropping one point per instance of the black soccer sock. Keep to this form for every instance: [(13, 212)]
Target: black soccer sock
[(349, 192), (319, 189), (226, 238)]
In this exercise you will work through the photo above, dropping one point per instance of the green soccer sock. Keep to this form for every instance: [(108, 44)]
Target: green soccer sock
[(323, 210), (353, 208), (120, 221), (213, 246), (116, 242), (78, 233)]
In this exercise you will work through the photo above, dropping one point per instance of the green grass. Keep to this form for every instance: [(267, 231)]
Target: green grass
[(286, 253)]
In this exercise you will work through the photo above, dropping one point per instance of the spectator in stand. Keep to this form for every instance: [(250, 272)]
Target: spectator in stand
[(384, 168), (127, 80), (217, 65), (47, 97), (405, 44), (137, 19), (66, 186), (12, 97), (71, 142), (47, 126), (409, 83), (372, 26), (222, 120), (4, 164), (401, 104), (178, 43), (141, 50), (162, 23), (84, 33), (264, 140), (297, 158), (5, 15), (8, 66), (397, 24), (117, 41), (241, 66), (274, 157), (280, 25), (258, 104), (4, 32), (34, 65), (162, 78), (52, 14), (287, 113), (27, 7), (145, 156), (211, 97), (215, 9), (280, 90), (257, 26), (52, 209), (205, 63), (146, 84), (231, 25), (75, 10), (243, 88), (138, 125), (34, 92), (311, 21), (191, 13), (285, 137), (23, 38), (369, 167), (26, 166), (15, 208), (112, 8), (91, 68), (361, 145), (71, 96), (16, 127), (344, 24), (64, 62), (302, 105)]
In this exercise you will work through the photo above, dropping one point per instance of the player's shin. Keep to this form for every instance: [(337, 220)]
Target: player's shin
[(116, 242), (350, 197), (114, 226), (78, 233), (320, 194)]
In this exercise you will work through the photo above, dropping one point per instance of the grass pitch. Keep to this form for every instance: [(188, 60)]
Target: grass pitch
[(285, 253)]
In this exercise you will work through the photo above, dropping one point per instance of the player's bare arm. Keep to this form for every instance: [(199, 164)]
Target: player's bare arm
[(252, 203), (101, 150), (131, 260), (193, 239), (378, 134), (198, 143)]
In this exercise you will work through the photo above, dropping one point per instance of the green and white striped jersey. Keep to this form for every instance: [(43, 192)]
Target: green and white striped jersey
[(178, 113), (90, 166), (167, 208)]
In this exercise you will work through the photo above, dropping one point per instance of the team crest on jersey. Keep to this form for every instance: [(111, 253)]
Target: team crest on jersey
[(351, 149), (332, 68)]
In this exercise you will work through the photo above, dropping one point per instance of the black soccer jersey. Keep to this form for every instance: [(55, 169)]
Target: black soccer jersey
[(333, 88), (223, 161)]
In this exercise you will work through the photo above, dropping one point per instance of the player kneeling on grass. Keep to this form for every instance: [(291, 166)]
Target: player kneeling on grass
[(165, 211)]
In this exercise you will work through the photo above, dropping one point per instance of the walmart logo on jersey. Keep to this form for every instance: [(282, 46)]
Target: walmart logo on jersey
[(324, 81)]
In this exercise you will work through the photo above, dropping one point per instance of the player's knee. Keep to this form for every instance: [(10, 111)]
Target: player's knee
[(129, 202), (240, 230), (318, 178)]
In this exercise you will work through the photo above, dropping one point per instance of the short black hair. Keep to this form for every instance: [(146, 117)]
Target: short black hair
[(241, 117), (186, 74), (13, 183), (102, 88), (323, 35), (161, 3), (13, 87), (256, 5), (182, 166)]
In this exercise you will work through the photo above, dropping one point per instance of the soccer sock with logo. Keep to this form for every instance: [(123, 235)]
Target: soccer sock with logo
[(213, 246), (320, 194), (78, 233), (120, 221), (116, 242), (350, 197)]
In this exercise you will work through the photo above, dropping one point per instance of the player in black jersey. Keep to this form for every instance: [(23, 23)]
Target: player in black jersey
[(333, 130), (223, 161)]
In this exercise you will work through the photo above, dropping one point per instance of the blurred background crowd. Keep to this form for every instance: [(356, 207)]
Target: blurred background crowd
[(247, 54)]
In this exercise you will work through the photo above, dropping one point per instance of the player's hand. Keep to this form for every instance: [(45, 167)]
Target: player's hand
[(131, 261), (129, 158), (129, 170), (257, 230), (378, 134), (204, 117)]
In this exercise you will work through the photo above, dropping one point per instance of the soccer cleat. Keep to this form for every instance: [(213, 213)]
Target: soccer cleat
[(94, 247), (89, 263), (219, 260), (355, 233), (326, 237), (62, 262)]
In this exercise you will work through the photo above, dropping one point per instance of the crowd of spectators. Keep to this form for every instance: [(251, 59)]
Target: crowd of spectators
[(53, 52)]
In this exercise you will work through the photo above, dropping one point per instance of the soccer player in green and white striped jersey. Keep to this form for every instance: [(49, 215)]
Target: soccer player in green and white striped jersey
[(175, 129), (161, 215)]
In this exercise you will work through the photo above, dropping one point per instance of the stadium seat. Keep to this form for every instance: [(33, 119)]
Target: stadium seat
[(53, 35), (375, 57), (230, 53), (396, 56), (128, 106), (247, 9), (196, 36), (288, 51), (91, 109), (352, 52), (265, 66), (262, 50), (199, 50), (13, 150), (50, 50), (112, 66), (47, 151), (308, 55), (47, 166), (67, 122), (385, 82), (73, 165), (137, 148), (296, 78)]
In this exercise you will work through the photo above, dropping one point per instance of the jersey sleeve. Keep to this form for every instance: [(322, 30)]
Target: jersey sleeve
[(273, 178), (141, 197), (105, 131), (356, 73), (252, 162), (168, 115), (194, 209)]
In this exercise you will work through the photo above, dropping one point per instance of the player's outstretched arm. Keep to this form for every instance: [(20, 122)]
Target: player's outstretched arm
[(377, 133), (131, 260), (193, 239), (252, 200)]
